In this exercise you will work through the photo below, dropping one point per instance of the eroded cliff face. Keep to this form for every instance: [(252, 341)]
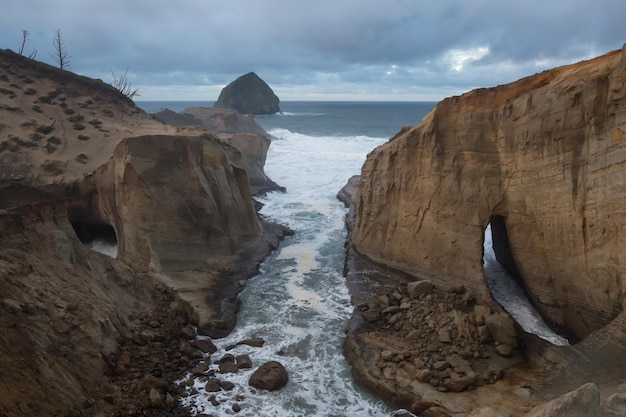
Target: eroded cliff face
[(546, 153), (88, 334), (181, 209)]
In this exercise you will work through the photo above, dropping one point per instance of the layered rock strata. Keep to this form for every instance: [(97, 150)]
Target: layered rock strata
[(547, 154), (543, 160), (93, 334), (236, 129)]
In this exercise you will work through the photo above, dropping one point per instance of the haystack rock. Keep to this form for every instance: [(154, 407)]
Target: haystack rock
[(542, 159), (249, 94), (78, 161)]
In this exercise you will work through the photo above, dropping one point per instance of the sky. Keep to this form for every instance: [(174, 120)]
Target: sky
[(391, 50)]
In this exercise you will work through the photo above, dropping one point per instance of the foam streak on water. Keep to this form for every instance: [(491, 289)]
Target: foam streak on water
[(299, 303), (512, 297)]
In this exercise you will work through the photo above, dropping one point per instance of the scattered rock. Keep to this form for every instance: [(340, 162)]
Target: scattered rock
[(418, 288), (502, 329), (269, 376), (228, 368), (205, 345), (156, 401), (243, 362), (212, 385)]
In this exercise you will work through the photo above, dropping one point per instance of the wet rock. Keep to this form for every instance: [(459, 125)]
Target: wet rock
[(269, 376), (254, 342), (226, 385), (156, 401), (212, 385), (200, 368), (228, 368), (243, 362), (205, 345)]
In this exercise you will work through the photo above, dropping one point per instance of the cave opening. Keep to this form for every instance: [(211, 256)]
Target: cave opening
[(506, 284), (97, 236)]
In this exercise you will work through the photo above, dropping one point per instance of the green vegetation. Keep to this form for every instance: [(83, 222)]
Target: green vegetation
[(83, 137), (78, 126), (76, 118)]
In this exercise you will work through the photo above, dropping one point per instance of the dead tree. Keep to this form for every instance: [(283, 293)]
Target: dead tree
[(123, 85), (24, 40), (60, 55)]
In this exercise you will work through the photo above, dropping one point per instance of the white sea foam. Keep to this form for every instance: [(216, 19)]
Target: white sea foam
[(103, 246), (299, 303), (512, 297)]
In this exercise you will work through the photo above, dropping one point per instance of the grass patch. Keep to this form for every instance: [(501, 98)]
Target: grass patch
[(54, 168), (35, 137), (6, 92), (82, 158), (4, 77), (45, 99), (95, 123), (21, 142), (30, 123), (83, 137), (108, 112), (69, 112), (76, 118), (44, 130), (30, 91), (37, 109), (11, 108), (27, 81), (78, 126), (55, 140)]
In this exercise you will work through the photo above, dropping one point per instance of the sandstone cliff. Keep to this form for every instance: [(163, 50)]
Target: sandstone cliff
[(546, 154), (543, 160), (80, 161)]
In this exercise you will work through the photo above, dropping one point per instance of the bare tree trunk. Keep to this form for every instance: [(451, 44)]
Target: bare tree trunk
[(60, 55)]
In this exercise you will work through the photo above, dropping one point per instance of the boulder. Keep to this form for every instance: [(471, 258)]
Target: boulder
[(502, 329), (418, 288), (270, 376), (249, 94)]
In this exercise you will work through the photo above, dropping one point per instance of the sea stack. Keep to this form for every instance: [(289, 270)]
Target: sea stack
[(249, 94)]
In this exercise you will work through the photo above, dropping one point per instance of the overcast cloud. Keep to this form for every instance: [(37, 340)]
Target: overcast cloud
[(316, 50)]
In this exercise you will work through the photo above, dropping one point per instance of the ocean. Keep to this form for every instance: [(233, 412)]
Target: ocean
[(299, 303)]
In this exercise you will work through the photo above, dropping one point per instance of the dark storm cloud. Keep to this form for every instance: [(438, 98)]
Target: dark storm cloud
[(337, 48)]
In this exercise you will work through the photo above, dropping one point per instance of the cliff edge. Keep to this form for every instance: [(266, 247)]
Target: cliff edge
[(79, 163), (542, 159)]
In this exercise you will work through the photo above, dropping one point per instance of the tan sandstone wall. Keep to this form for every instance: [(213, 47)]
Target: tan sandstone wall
[(548, 153)]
